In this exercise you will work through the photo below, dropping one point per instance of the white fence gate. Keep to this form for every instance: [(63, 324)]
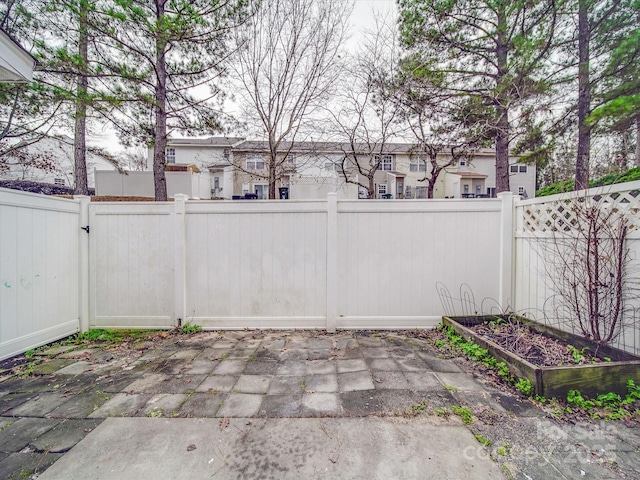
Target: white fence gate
[(40, 290)]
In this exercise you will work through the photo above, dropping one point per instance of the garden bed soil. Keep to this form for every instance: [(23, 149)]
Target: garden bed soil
[(550, 358)]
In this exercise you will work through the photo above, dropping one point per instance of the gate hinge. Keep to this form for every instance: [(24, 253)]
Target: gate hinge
[(86, 229)]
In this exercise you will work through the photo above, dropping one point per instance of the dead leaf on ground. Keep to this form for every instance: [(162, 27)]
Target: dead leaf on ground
[(224, 423), (191, 447)]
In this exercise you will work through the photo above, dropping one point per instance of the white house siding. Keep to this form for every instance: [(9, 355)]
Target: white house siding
[(60, 152)]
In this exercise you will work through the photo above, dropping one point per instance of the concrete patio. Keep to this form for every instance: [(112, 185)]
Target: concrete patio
[(291, 404)]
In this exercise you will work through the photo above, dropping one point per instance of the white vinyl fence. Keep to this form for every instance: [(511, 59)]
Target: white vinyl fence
[(290, 264), (70, 265), (40, 290)]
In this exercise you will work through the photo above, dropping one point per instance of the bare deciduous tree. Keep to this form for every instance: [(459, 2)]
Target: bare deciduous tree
[(288, 64), (588, 267), (366, 117)]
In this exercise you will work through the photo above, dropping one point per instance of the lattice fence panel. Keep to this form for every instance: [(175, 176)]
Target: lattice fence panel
[(559, 215)]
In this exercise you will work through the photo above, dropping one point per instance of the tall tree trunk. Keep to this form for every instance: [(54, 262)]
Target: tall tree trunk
[(82, 84), (159, 152), (636, 160), (584, 97), (501, 108), (272, 175)]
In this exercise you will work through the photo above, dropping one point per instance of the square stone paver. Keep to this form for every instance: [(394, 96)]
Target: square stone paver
[(18, 465), (218, 383), (230, 367), (202, 405), (163, 405), (51, 366), (146, 383), (39, 405), (212, 354), (260, 367), (121, 405), (351, 365), (319, 354), (320, 367), (242, 353), (423, 382), (412, 364), (178, 384), (65, 435), (320, 403), (320, 343), (240, 405), (390, 381), (294, 354), (188, 354), (461, 381), (282, 406), (76, 368), (321, 383), (286, 385), (436, 364), (382, 364), (80, 406), (292, 367), (349, 382), (374, 352), (252, 384), (273, 343), (370, 341), (19, 434), (200, 366)]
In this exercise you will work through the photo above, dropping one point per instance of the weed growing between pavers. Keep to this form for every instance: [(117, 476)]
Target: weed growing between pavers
[(190, 328), (608, 406)]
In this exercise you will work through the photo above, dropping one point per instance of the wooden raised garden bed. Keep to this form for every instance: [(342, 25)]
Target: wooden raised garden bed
[(592, 379)]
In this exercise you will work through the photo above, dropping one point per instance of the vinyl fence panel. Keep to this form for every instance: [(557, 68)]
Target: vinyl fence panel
[(39, 286)]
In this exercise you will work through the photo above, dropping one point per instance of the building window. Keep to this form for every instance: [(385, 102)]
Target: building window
[(421, 192), (330, 166), (385, 162), (262, 191), (466, 188), (170, 155), (226, 153), (289, 159), (255, 163), (520, 190), (382, 189), (216, 182), (417, 164), (245, 188), (517, 168), (58, 181), (463, 162), (407, 193)]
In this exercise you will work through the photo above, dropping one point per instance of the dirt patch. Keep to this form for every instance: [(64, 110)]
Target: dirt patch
[(533, 346)]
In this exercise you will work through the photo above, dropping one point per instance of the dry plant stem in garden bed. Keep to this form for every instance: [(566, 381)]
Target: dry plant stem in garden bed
[(591, 378), (536, 347)]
